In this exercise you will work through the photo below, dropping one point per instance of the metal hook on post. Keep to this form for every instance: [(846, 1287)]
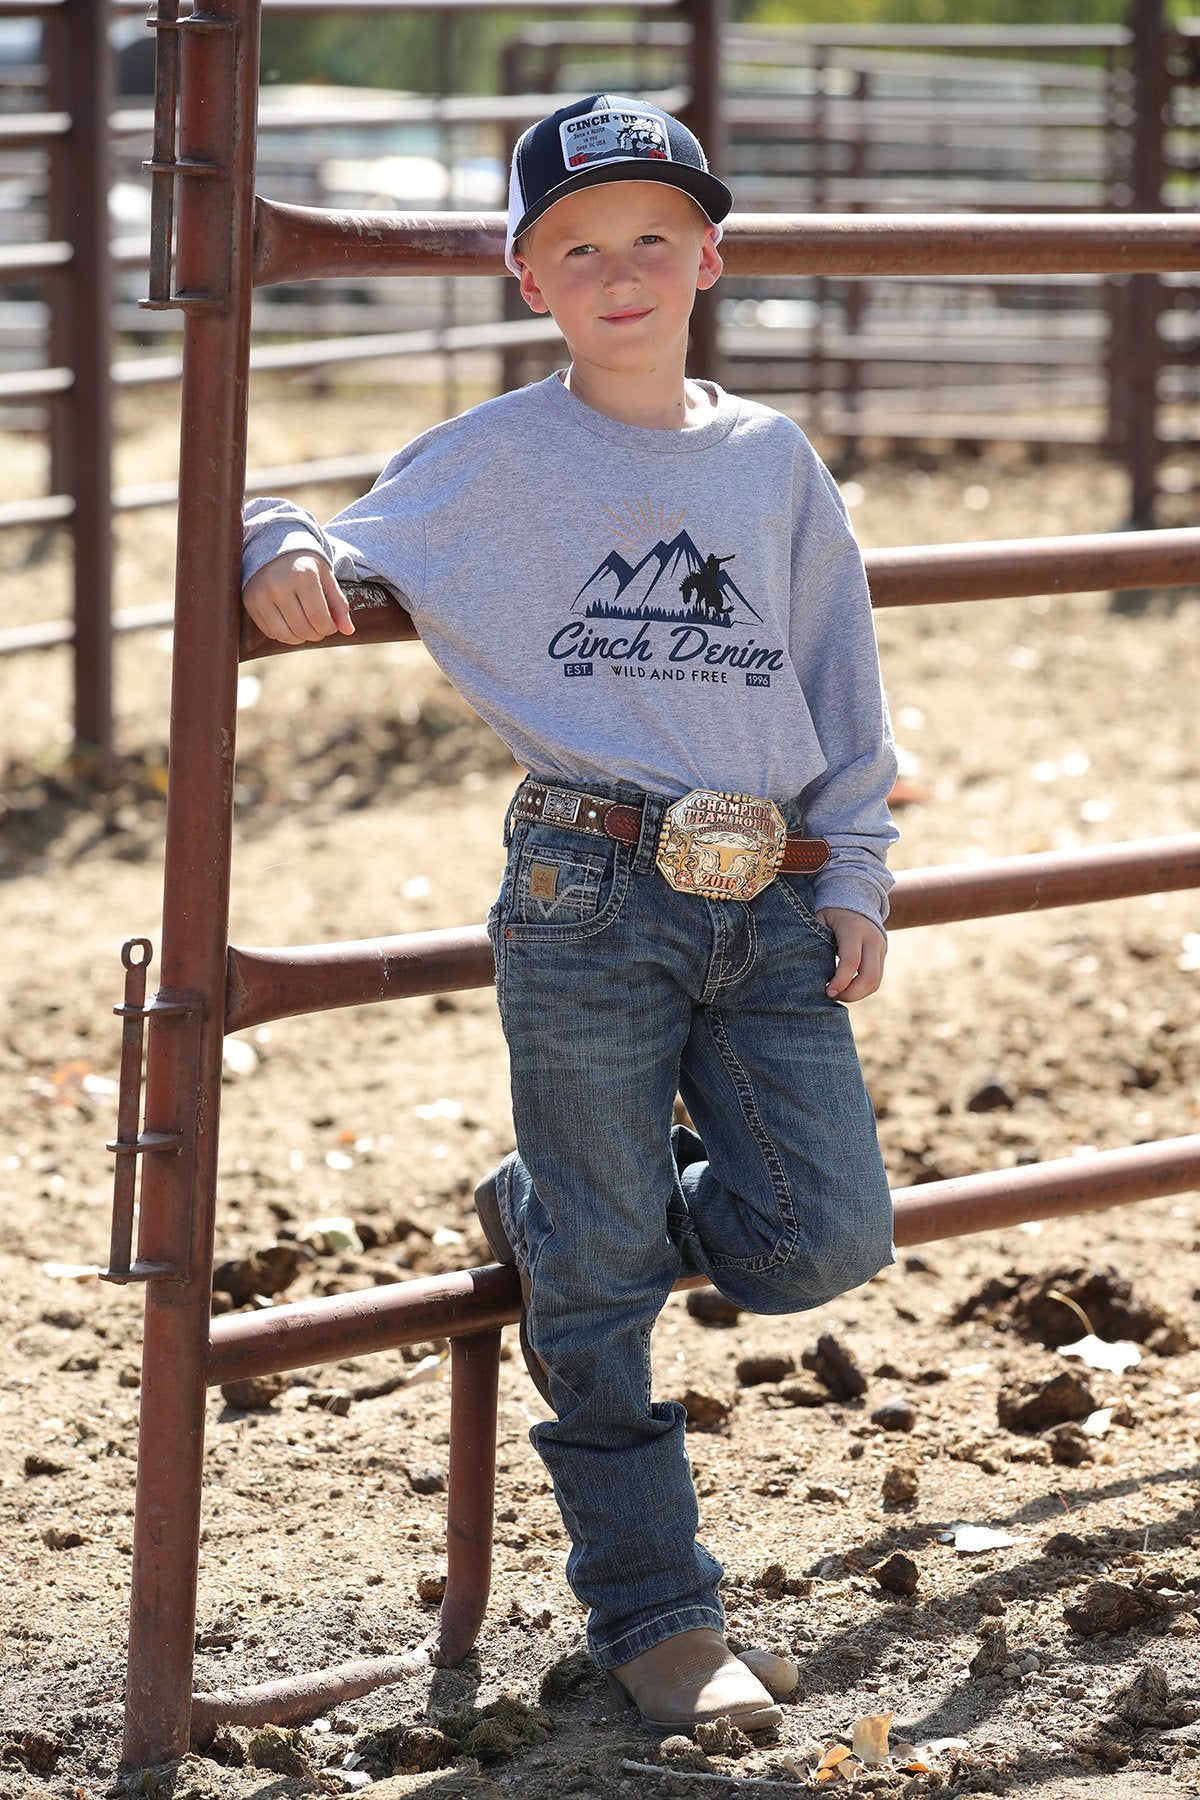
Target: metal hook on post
[(165, 164), (131, 1142)]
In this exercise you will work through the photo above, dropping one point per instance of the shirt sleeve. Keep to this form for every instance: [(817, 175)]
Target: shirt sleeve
[(837, 660), (378, 537)]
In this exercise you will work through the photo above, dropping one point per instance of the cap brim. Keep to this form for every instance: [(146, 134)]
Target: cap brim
[(711, 195)]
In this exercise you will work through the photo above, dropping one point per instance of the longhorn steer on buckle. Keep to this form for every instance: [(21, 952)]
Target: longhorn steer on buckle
[(721, 846)]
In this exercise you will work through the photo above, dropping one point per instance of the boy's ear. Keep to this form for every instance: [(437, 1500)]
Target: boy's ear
[(711, 262), (531, 293)]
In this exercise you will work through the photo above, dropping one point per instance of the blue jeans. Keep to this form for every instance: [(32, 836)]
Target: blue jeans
[(615, 992)]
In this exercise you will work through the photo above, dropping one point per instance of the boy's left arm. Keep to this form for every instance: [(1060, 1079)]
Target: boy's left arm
[(834, 651)]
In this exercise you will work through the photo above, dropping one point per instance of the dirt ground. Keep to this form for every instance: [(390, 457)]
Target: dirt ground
[(1060, 1664)]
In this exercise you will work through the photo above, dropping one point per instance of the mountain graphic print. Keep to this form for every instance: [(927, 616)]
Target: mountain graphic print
[(672, 581)]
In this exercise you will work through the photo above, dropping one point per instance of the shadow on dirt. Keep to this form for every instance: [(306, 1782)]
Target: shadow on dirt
[(968, 1705)]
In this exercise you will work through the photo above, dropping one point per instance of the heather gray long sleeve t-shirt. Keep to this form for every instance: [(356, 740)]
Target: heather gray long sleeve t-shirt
[(672, 608)]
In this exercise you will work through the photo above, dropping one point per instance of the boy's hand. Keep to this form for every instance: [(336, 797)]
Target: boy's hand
[(861, 948), (295, 599)]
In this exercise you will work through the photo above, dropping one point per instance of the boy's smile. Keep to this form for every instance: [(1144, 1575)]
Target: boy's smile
[(619, 266)]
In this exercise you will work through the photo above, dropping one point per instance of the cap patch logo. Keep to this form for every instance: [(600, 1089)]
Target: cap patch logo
[(608, 136)]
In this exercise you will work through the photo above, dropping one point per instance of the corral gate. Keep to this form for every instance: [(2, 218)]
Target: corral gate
[(227, 243)]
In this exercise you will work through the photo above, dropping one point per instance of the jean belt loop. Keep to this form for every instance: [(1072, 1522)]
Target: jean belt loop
[(647, 845), (508, 818)]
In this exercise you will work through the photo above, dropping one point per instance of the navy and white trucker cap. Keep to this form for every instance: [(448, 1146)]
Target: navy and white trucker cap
[(606, 137)]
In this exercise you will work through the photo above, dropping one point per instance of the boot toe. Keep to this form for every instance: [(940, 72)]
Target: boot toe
[(693, 1679), (743, 1700)]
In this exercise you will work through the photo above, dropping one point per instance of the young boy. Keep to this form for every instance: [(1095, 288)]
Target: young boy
[(650, 589)]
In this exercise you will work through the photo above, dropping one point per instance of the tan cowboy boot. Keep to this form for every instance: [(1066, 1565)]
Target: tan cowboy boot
[(693, 1678)]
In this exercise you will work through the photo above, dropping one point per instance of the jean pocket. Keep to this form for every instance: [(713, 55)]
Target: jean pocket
[(558, 889), (799, 893)]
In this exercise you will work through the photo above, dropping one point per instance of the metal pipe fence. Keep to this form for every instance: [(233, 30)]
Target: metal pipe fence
[(208, 986), (1125, 381)]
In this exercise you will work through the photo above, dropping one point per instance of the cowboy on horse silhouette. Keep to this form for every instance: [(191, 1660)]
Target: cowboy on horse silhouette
[(703, 587)]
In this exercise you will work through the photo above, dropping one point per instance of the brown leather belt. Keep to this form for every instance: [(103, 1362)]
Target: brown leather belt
[(537, 804)]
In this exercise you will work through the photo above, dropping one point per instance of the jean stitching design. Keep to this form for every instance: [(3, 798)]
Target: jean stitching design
[(585, 928), (815, 925), (739, 974), (572, 901), (778, 1175), (714, 975), (498, 952)]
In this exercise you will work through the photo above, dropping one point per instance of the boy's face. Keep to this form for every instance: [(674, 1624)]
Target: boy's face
[(619, 266)]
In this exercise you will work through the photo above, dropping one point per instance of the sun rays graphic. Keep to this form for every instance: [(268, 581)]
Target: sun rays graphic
[(640, 525)]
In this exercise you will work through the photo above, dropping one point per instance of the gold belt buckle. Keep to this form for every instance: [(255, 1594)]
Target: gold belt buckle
[(721, 846)]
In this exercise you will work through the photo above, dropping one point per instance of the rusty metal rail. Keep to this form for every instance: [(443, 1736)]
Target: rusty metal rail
[(934, 574), (294, 243), (924, 575), (476, 1300), (265, 984), (1010, 568), (208, 985)]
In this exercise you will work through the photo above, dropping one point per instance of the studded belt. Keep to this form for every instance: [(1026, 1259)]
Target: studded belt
[(717, 845)]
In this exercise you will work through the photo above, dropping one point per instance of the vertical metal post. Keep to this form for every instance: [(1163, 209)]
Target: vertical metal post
[(1143, 358), (218, 97), (1115, 174), (818, 378), (855, 292), (706, 117), (444, 48), (56, 55), (84, 332), (512, 307), (474, 1375)]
